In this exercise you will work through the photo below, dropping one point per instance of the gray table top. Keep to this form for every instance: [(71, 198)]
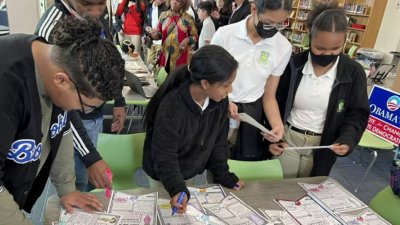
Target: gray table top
[(257, 194)]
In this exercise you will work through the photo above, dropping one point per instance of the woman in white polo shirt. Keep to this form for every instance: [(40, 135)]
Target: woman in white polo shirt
[(322, 97), (263, 54)]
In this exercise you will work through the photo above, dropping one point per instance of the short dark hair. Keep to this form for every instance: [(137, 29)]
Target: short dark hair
[(205, 6), (92, 61), (264, 5), (326, 17)]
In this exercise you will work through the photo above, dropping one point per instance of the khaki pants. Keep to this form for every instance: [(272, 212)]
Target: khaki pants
[(298, 163)]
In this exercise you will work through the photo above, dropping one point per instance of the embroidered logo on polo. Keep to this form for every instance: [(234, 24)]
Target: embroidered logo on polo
[(56, 128), (263, 58), (24, 151), (341, 106)]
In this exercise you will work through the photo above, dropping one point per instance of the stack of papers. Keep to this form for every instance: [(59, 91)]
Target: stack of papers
[(329, 203)]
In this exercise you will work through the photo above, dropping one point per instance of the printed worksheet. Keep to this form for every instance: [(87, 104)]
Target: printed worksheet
[(79, 217), (234, 211), (366, 217), (136, 210), (306, 211), (278, 217), (333, 196), (192, 216), (208, 195)]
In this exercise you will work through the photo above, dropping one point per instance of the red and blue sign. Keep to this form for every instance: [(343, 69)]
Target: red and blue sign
[(384, 120)]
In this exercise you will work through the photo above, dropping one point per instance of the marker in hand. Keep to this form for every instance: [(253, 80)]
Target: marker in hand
[(180, 201), (109, 177)]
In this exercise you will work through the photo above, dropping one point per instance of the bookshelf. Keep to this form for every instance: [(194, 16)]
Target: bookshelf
[(364, 20)]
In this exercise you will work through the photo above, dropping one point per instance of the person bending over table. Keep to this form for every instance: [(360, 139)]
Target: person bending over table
[(323, 98), (89, 166), (187, 125), (39, 83)]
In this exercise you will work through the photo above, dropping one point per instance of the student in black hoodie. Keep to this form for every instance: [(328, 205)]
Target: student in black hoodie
[(187, 124)]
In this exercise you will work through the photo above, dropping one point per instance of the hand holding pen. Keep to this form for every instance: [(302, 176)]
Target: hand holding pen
[(178, 202)]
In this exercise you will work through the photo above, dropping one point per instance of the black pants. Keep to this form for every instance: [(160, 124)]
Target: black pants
[(249, 144)]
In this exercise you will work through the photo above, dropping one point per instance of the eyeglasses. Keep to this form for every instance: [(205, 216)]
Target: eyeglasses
[(90, 108), (279, 26)]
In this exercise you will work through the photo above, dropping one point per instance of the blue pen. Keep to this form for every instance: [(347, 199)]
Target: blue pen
[(180, 200)]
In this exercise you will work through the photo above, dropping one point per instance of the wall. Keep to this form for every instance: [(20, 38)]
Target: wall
[(389, 34), (23, 15)]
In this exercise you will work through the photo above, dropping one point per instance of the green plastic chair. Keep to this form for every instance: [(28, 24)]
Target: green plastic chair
[(352, 51), (371, 143), (256, 170), (123, 153), (161, 76), (387, 205)]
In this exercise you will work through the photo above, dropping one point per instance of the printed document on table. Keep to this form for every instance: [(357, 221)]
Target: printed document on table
[(333, 196), (208, 195), (234, 211), (136, 210), (191, 216), (278, 217), (366, 217), (306, 211), (79, 217)]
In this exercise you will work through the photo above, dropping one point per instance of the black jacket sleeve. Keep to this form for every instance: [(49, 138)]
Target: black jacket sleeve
[(82, 143), (218, 161), (357, 111)]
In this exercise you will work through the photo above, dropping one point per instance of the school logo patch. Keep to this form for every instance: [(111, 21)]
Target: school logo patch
[(341, 106), (263, 58), (24, 151)]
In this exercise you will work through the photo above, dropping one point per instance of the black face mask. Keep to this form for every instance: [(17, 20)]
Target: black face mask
[(323, 60), (265, 33)]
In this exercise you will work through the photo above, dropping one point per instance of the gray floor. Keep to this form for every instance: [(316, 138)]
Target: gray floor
[(347, 171)]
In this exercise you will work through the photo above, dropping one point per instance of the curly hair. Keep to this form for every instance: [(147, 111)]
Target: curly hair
[(91, 61)]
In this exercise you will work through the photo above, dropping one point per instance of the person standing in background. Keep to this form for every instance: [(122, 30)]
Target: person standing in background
[(322, 97), (177, 31), (150, 23), (223, 13), (263, 53), (89, 165), (134, 15), (240, 10), (208, 29)]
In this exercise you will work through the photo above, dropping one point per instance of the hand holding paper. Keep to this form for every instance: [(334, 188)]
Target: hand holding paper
[(250, 120)]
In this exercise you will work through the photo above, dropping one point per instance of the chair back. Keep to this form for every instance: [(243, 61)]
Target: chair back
[(123, 153), (352, 51), (161, 76), (387, 205), (256, 170), (368, 140)]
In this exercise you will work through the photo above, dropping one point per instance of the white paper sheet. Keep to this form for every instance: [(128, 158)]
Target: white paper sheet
[(250, 120), (136, 210), (234, 211), (278, 217), (307, 212), (79, 217), (192, 215), (333, 196)]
